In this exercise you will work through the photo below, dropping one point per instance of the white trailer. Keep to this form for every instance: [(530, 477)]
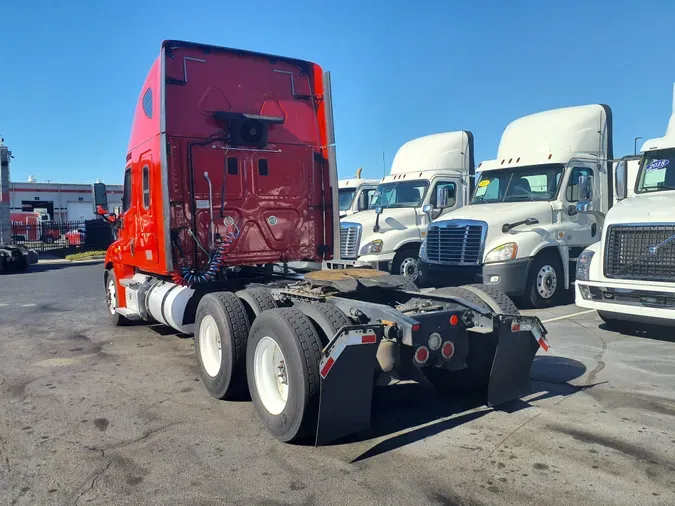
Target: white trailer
[(629, 275), (522, 231), (430, 176)]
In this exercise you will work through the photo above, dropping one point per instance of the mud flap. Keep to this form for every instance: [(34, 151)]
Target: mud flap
[(347, 375), (518, 343)]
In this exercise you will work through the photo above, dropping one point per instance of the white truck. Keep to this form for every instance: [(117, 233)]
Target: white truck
[(430, 176), (354, 195), (629, 275), (522, 230)]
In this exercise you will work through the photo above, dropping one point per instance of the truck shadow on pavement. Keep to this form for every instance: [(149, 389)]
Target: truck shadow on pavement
[(655, 332), (427, 413)]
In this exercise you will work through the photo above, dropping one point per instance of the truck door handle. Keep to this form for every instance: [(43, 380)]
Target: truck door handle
[(572, 210)]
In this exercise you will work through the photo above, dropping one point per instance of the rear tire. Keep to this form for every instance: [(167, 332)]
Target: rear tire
[(327, 319), (111, 295), (222, 328), (256, 300), (285, 390)]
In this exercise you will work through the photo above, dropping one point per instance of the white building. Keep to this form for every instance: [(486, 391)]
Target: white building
[(62, 201)]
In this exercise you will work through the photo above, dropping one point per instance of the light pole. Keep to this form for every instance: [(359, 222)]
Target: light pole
[(635, 145)]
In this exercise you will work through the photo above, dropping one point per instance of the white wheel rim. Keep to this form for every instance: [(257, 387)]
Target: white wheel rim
[(210, 349), (112, 296), (547, 281), (271, 377), (409, 268)]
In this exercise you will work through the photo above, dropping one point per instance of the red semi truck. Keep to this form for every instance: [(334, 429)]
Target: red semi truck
[(231, 174)]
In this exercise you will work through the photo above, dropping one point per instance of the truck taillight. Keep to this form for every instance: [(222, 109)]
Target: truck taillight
[(422, 355), (448, 350)]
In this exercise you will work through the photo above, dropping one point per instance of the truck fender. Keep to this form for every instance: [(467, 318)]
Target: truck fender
[(404, 244), (563, 253)]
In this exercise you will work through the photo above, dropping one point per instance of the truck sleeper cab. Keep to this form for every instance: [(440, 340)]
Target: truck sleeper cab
[(522, 231), (430, 176), (225, 178), (355, 195)]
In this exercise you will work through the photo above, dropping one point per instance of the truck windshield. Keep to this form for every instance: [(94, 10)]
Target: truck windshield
[(537, 182), (345, 198), (657, 171), (400, 194)]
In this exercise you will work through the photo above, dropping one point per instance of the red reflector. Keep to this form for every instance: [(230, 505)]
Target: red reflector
[(416, 327), (421, 355), (515, 326), (448, 349), (543, 343), (454, 320), (327, 366), (372, 338)]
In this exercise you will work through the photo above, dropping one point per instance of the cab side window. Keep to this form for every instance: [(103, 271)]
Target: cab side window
[(572, 192), (370, 193), (126, 195), (452, 194)]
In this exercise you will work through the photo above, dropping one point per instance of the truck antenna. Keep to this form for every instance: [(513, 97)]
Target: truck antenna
[(384, 167)]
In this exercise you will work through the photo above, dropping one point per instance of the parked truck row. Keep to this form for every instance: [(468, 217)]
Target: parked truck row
[(230, 172)]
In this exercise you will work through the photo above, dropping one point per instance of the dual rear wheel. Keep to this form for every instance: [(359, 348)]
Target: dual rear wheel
[(246, 345)]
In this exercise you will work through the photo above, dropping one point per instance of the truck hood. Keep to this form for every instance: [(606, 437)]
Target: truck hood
[(496, 215), (644, 208), (391, 220)]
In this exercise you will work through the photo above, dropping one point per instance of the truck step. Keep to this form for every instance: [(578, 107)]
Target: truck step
[(128, 313)]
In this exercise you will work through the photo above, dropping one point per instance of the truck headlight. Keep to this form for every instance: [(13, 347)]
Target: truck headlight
[(423, 250), (502, 253), (584, 265), (372, 247)]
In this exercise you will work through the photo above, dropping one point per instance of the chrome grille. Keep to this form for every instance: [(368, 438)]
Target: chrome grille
[(456, 242), (628, 254), (350, 236)]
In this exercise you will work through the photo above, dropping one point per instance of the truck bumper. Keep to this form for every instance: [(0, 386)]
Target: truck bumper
[(509, 277), (630, 304), (380, 262)]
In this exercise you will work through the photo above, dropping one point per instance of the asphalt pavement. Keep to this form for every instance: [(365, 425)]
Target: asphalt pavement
[(93, 414)]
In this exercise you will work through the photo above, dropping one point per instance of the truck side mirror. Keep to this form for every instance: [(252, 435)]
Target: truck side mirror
[(100, 198), (442, 197), (362, 203), (620, 179), (378, 210), (585, 203), (427, 208)]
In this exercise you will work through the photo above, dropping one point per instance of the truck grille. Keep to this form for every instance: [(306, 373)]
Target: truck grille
[(630, 252), (456, 242), (350, 236)]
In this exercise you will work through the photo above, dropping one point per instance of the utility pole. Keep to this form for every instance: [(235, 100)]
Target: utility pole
[(5, 224)]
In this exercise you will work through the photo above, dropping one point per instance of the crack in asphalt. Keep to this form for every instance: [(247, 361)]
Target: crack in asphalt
[(4, 454), (598, 357), (145, 436), (93, 481)]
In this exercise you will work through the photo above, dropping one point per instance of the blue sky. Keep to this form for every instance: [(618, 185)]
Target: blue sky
[(71, 71)]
